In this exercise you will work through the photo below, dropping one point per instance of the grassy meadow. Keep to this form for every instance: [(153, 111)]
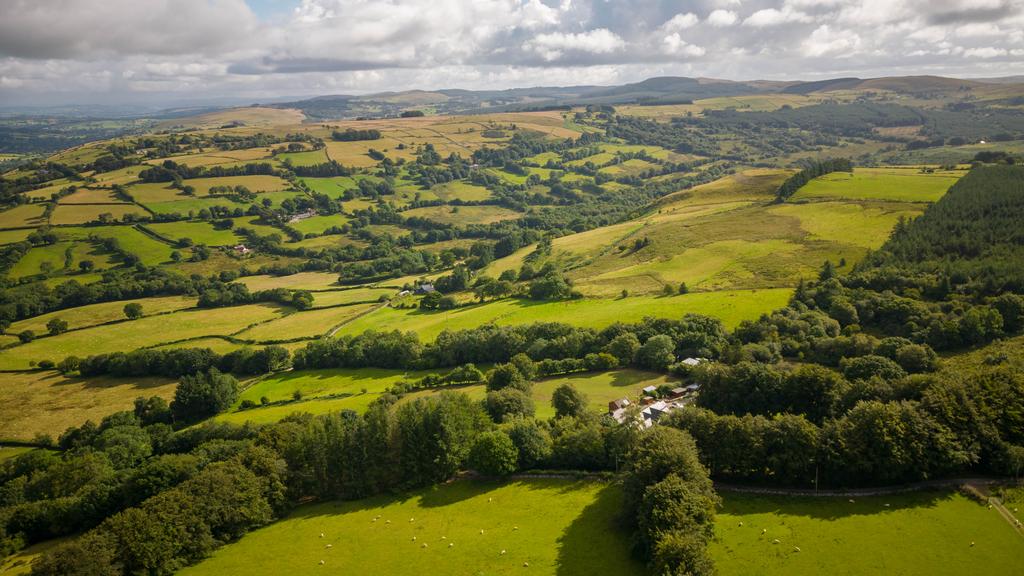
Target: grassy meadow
[(544, 526), (906, 184), (730, 306), (917, 533)]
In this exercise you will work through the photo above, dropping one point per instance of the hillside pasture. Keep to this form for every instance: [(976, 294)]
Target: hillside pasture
[(127, 336), (12, 236), (353, 296), (55, 258), (91, 196), (555, 526), (307, 158), (257, 184), (149, 250), (94, 314), (333, 187), (317, 224), (906, 184), (935, 533), (729, 306), (458, 190), (462, 215), (34, 403), (298, 281), (306, 324), (65, 214), (23, 216), (198, 232), (600, 388)]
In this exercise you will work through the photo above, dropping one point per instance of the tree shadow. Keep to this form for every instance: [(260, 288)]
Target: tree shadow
[(595, 542), (829, 507)]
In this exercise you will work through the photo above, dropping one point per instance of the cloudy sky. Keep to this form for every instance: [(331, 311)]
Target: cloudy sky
[(65, 51)]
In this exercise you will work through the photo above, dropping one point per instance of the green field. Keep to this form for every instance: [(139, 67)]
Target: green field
[(301, 280), (336, 297), (600, 388), (93, 314), (458, 190), (731, 307), (333, 187), (198, 232), (308, 158), (149, 250), (307, 324), (127, 336), (54, 256), (185, 205), (331, 382), (317, 224), (918, 533), (899, 184), (81, 213), (12, 236), (563, 527), (8, 452), (461, 215)]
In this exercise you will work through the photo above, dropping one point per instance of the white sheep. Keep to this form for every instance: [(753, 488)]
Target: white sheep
[(424, 545), (329, 546), (322, 562), (526, 564), (515, 527), (764, 531), (741, 524), (444, 538), (972, 544), (481, 531), (321, 534), (413, 538), (451, 544), (412, 519), (851, 501), (796, 548), (776, 541)]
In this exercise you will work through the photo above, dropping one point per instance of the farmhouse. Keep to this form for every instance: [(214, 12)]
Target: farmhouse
[(241, 249), (425, 289)]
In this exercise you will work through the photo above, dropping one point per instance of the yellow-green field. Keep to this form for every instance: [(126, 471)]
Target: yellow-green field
[(336, 297), (462, 215), (34, 403), (898, 184), (80, 214), (149, 250), (198, 232), (543, 526), (307, 324), (127, 336), (23, 215), (93, 314), (301, 280), (730, 306)]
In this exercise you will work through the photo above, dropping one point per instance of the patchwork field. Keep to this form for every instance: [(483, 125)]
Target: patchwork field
[(307, 324), (938, 533), (317, 224), (149, 250), (729, 306), (82, 213), (34, 403), (336, 297), (198, 232), (93, 314), (127, 336), (23, 216), (61, 257), (462, 215), (301, 280), (553, 526)]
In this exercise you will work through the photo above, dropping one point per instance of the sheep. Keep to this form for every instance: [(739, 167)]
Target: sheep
[(515, 527), (741, 524), (796, 548), (851, 501), (502, 553), (387, 521), (322, 562), (481, 531), (444, 538), (412, 519), (972, 544), (424, 545), (329, 546), (490, 499), (526, 564), (451, 544), (887, 505), (764, 531), (413, 538), (776, 541), (321, 534)]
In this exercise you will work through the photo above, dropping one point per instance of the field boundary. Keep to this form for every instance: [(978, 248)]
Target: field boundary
[(876, 491)]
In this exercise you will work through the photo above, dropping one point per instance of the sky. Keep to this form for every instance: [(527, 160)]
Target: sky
[(135, 51)]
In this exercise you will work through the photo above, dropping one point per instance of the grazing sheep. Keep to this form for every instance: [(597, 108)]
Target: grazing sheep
[(972, 544), (412, 519), (515, 527), (387, 521), (322, 562), (329, 546), (796, 548), (413, 538), (481, 531), (502, 553), (321, 534), (851, 501), (490, 499), (887, 505), (741, 524), (776, 541), (424, 545), (764, 531), (443, 538), (451, 544), (526, 564)]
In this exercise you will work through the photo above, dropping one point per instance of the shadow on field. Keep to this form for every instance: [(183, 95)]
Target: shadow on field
[(595, 542), (828, 508)]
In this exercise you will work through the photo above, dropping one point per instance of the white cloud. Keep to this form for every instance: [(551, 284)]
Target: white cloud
[(681, 21), (675, 45), (773, 17), (985, 52), (722, 18), (825, 41), (552, 46)]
